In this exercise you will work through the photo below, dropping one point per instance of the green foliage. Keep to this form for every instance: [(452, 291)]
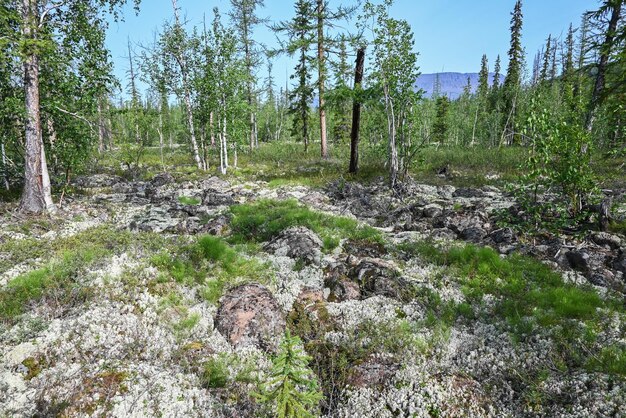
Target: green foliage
[(531, 298), (559, 159), (292, 388), (58, 282), (191, 201), (212, 264), (263, 219), (440, 126), (215, 373)]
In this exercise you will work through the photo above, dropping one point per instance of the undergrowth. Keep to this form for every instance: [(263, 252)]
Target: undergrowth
[(262, 220), (530, 297)]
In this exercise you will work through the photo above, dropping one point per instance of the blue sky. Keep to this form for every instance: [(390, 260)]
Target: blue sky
[(450, 35)]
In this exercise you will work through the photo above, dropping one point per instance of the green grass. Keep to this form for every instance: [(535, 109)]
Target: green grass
[(58, 282), (531, 297), (211, 263), (191, 201), (261, 220), (64, 259)]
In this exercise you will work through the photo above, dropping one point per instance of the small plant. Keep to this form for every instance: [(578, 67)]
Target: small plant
[(187, 200), (292, 389), (215, 373)]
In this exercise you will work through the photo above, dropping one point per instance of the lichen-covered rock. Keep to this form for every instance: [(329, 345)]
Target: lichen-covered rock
[(379, 277), (299, 243), (162, 179), (605, 239), (250, 315)]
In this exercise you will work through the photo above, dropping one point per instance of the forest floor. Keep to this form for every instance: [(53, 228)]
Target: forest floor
[(166, 293)]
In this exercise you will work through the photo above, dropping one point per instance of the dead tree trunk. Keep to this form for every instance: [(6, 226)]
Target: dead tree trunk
[(37, 195), (356, 113)]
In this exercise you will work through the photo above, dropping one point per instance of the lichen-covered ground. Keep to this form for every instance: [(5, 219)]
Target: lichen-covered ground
[(117, 306)]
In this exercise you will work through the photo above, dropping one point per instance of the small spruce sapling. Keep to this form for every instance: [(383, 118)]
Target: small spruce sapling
[(292, 389)]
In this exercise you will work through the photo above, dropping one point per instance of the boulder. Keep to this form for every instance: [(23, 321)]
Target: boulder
[(378, 277), (161, 179), (577, 260), (249, 315), (432, 211), (97, 180), (606, 240), (297, 242)]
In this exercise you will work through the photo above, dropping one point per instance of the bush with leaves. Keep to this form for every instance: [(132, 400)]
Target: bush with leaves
[(558, 180), (292, 389)]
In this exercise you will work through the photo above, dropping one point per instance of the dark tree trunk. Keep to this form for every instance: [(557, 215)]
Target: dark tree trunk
[(605, 52), (356, 113)]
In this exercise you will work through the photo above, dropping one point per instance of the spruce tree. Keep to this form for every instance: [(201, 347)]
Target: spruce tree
[(513, 79), (483, 77), (300, 33), (496, 75)]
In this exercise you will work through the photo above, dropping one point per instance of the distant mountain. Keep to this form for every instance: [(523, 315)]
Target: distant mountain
[(452, 84)]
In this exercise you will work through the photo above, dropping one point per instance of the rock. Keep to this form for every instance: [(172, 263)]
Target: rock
[(250, 315), (502, 236), (299, 243), (468, 193), (374, 372), (605, 239), (341, 288), (161, 179), (473, 234), (432, 211), (157, 219), (215, 198), (578, 260), (378, 277), (97, 180), (215, 183), (218, 225)]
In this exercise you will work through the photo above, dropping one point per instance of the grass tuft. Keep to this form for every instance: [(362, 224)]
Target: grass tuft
[(262, 220)]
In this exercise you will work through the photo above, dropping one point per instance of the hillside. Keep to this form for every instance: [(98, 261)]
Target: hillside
[(452, 84)]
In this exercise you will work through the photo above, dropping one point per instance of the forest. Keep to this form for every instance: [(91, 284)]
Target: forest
[(198, 239)]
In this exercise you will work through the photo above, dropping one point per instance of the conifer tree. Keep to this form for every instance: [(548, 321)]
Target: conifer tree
[(300, 33), (483, 77), (512, 81), (496, 75)]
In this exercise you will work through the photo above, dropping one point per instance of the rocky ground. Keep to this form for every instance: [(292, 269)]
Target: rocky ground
[(391, 331)]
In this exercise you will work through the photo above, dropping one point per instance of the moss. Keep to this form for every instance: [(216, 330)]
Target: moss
[(531, 298), (211, 263), (190, 201), (34, 366), (262, 220)]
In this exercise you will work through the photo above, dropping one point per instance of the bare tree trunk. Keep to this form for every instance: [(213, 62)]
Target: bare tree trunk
[(605, 52), (101, 128), (37, 195), (182, 63), (223, 148), (203, 147), (5, 171), (212, 130), (161, 140), (393, 149), (356, 113), (321, 58)]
